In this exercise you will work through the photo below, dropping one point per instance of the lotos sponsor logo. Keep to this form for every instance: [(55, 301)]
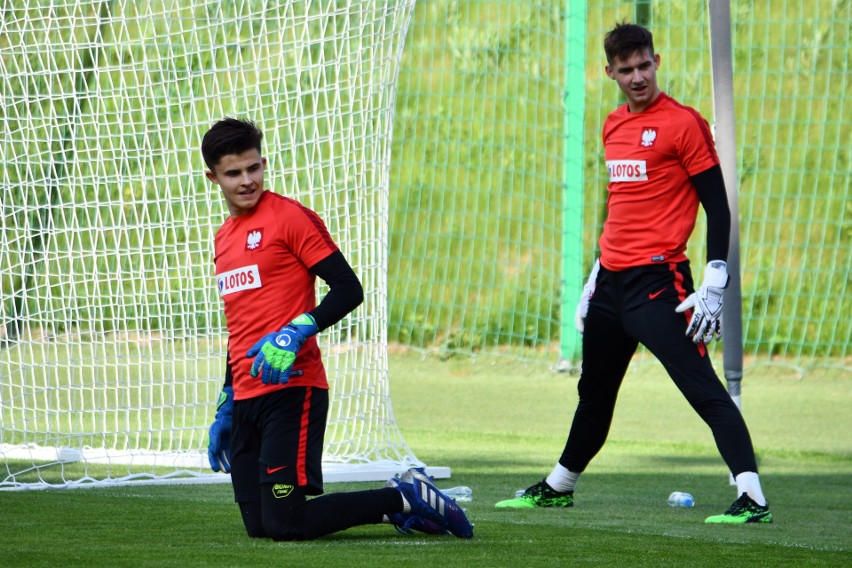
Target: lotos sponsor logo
[(244, 278), (627, 170)]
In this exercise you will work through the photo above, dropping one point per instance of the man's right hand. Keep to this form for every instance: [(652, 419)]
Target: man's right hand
[(219, 445), (583, 305)]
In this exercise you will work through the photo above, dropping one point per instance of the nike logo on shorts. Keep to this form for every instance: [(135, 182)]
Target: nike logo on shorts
[(271, 470), (653, 295)]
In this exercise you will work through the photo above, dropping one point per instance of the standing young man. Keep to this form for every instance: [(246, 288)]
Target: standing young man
[(662, 163), (271, 417)]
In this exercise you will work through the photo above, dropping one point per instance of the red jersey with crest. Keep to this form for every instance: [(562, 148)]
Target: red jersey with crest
[(652, 204), (262, 260)]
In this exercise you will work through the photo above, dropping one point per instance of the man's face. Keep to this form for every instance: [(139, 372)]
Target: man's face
[(240, 177), (637, 78)]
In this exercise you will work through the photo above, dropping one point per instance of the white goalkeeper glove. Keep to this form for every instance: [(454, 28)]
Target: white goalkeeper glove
[(583, 305), (706, 322)]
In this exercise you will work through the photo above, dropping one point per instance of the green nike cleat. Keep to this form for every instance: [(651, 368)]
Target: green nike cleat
[(744, 510), (539, 495)]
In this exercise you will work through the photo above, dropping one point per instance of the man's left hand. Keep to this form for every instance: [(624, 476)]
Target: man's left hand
[(276, 352), (706, 322)]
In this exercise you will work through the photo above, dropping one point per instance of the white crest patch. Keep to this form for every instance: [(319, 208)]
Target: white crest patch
[(649, 135), (253, 239)]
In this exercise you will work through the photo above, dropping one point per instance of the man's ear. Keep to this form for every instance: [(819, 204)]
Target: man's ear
[(609, 72), (211, 176)]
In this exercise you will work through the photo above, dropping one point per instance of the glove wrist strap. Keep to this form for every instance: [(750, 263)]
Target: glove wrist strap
[(716, 274), (306, 325), (226, 400)]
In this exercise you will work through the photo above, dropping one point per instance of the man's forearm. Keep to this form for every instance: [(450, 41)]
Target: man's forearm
[(344, 294), (710, 186)]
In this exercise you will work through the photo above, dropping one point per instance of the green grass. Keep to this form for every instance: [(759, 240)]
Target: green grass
[(500, 427)]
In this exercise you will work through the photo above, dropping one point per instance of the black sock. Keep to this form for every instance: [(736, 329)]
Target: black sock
[(338, 511)]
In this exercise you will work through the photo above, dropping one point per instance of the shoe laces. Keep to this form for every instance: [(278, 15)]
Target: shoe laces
[(744, 504), (541, 489)]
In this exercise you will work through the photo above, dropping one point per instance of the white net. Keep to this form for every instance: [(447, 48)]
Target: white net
[(113, 342)]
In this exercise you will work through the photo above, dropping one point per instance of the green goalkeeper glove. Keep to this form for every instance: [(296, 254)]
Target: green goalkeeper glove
[(706, 322), (276, 352)]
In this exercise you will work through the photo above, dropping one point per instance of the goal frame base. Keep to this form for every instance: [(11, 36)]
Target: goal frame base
[(188, 468)]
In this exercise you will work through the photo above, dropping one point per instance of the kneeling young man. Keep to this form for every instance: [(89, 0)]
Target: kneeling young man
[(271, 417)]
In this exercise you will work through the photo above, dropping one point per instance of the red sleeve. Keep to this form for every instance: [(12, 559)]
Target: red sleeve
[(307, 235), (697, 147)]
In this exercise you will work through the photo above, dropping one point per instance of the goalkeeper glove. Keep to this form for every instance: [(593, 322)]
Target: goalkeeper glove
[(219, 446), (588, 290), (706, 322), (275, 353)]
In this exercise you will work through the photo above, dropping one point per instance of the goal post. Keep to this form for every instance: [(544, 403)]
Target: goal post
[(726, 145), (723, 104), (113, 342)]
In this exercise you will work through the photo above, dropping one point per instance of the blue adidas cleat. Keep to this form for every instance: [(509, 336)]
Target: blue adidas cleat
[(407, 523), (427, 502)]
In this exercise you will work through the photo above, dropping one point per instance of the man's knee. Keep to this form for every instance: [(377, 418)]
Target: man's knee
[(252, 518), (283, 511)]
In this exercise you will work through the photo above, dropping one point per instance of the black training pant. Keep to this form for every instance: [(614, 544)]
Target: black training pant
[(276, 462), (638, 306)]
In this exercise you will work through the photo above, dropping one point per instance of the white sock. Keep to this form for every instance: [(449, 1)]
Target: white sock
[(748, 482), (561, 479)]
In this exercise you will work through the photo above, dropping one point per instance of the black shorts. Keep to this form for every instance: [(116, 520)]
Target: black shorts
[(278, 438)]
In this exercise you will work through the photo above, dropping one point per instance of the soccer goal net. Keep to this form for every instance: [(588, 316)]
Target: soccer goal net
[(113, 342)]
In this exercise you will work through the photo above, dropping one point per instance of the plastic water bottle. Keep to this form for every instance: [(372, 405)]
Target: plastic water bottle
[(678, 499), (461, 494)]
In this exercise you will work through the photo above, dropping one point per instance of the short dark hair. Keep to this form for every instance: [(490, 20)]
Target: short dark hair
[(625, 39), (229, 136)]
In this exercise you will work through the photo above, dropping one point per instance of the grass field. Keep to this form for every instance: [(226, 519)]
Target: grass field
[(500, 427)]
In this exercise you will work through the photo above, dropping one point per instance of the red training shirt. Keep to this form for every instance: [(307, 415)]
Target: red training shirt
[(652, 204), (262, 260)]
